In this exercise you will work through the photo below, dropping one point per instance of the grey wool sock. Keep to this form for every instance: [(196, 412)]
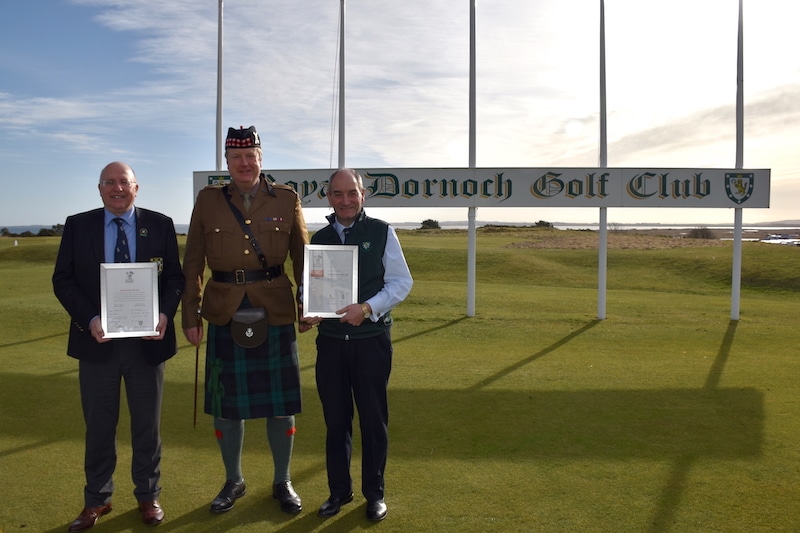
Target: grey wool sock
[(280, 434), (230, 436)]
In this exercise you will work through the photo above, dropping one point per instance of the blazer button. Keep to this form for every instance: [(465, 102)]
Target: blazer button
[(247, 221), (216, 230), (247, 252), (277, 228)]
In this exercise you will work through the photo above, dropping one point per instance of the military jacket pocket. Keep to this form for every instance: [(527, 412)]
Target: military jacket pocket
[(221, 242), (274, 236)]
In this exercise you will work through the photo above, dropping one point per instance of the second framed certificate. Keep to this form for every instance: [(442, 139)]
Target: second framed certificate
[(330, 279)]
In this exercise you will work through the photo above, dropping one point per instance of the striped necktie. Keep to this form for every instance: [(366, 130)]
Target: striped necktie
[(346, 232), (121, 252)]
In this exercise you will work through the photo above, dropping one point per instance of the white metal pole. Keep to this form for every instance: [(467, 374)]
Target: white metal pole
[(219, 87), (341, 86), (472, 97), (736, 277), (471, 215), (602, 267), (603, 158), (602, 259)]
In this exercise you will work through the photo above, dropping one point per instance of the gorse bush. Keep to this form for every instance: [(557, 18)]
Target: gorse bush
[(701, 233)]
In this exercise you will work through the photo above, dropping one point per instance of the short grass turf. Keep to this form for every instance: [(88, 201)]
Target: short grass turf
[(530, 416)]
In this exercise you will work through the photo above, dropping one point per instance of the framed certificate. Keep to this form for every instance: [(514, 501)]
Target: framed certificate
[(330, 279), (129, 299)]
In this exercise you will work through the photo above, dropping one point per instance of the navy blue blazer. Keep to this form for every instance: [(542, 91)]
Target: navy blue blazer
[(76, 279)]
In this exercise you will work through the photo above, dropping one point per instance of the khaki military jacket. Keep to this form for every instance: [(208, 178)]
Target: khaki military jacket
[(216, 239)]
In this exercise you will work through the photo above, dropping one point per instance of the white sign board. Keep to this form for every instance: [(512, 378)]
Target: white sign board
[(534, 187)]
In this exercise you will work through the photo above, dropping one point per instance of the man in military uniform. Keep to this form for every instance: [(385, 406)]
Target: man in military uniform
[(244, 232)]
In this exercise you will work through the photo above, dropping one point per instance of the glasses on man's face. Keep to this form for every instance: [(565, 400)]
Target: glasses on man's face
[(114, 183)]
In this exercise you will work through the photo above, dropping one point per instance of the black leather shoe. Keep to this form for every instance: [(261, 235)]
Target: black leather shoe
[(376, 510), (284, 493), (332, 506), (88, 517), (231, 491)]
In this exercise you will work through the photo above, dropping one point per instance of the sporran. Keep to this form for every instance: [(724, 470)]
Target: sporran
[(249, 327)]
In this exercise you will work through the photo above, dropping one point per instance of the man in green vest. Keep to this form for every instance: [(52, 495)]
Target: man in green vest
[(354, 352)]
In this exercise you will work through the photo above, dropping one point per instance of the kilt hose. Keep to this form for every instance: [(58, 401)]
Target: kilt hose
[(260, 382)]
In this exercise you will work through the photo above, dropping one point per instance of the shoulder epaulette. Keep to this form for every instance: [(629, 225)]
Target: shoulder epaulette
[(283, 187)]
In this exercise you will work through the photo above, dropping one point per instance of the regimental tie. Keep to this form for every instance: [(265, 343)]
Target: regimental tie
[(346, 232), (121, 252)]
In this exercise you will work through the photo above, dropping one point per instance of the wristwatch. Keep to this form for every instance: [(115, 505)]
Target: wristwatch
[(366, 310)]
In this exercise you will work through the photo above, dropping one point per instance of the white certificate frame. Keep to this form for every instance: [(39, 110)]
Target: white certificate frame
[(129, 299), (330, 279)]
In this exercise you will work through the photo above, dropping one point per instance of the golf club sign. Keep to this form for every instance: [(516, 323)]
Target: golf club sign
[(535, 187)]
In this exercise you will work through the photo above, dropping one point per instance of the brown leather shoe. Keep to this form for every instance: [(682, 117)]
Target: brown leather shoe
[(88, 517), (152, 513)]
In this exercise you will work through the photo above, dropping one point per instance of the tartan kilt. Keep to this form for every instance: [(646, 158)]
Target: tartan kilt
[(252, 382)]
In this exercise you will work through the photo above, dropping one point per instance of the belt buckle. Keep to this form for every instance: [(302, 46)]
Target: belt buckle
[(239, 277)]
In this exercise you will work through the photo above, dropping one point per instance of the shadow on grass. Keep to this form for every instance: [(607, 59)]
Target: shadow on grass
[(31, 341), (8, 452), (470, 423), (497, 424), (249, 512), (553, 347), (603, 424), (429, 331), (715, 374), (672, 492), (674, 424)]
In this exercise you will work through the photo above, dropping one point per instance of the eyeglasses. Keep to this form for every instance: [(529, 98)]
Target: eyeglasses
[(113, 183)]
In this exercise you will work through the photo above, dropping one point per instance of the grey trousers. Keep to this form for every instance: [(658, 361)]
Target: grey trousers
[(100, 385)]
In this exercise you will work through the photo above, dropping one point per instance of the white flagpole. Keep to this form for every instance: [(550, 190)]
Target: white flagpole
[(602, 266), (472, 211), (219, 87), (341, 86), (736, 281)]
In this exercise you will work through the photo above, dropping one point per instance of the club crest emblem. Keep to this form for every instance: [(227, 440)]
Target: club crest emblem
[(160, 261), (739, 186)]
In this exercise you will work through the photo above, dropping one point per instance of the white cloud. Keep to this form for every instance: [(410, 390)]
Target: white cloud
[(671, 86)]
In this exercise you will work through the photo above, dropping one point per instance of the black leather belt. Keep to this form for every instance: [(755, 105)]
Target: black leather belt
[(240, 277)]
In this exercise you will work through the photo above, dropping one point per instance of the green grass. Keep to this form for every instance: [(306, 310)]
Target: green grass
[(530, 416)]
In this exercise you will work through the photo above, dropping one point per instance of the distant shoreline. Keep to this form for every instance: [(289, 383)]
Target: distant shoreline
[(779, 226)]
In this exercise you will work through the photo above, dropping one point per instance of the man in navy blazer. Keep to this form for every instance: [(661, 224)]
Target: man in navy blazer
[(90, 239)]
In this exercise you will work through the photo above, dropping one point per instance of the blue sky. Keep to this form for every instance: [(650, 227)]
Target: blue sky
[(86, 82)]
